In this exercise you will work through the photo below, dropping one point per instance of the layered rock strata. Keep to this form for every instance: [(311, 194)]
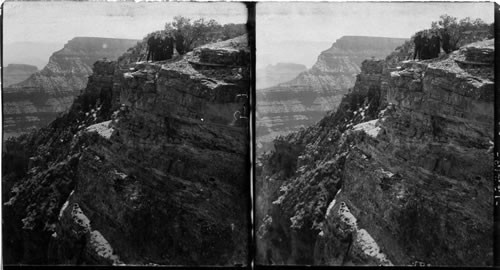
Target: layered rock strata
[(37, 100), (304, 100), (392, 176), (146, 168)]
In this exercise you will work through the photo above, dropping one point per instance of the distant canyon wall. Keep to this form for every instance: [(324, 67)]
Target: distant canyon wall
[(37, 100), (272, 75), (15, 73), (304, 100)]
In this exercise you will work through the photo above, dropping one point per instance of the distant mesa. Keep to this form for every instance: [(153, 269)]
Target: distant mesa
[(28, 52), (286, 66), (15, 73), (292, 51), (278, 73)]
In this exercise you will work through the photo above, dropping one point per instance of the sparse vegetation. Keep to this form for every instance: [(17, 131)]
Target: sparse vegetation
[(285, 156), (463, 31), (195, 33), (202, 31)]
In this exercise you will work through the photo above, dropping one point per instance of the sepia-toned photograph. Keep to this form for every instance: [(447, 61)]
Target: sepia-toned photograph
[(374, 133), (126, 133)]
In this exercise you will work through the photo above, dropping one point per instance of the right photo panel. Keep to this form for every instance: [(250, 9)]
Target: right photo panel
[(374, 133)]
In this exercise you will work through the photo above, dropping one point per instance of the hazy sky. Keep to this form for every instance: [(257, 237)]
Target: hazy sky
[(277, 22), (58, 22), (61, 21)]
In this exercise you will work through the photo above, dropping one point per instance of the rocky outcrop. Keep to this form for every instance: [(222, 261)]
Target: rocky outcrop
[(279, 73), (37, 100), (391, 176), (14, 73), (146, 168), (304, 100)]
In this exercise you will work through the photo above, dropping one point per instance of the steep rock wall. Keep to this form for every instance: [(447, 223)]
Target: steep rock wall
[(392, 176), (304, 100), (113, 180)]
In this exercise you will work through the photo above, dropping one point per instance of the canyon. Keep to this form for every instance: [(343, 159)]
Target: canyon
[(37, 100), (305, 99), (391, 177), (111, 181)]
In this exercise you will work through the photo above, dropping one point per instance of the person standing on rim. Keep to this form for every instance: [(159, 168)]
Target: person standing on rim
[(418, 40), (169, 40), (152, 47), (179, 42), (445, 38)]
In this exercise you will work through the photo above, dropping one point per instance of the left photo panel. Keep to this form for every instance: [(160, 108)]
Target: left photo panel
[(126, 138)]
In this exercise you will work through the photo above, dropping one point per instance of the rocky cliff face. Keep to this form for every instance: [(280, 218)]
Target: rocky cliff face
[(279, 73), (147, 167), (399, 174), (14, 73), (304, 100), (37, 100)]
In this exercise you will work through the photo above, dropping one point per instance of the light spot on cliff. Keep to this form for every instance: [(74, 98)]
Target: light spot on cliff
[(28, 223), (120, 174), (104, 46), (370, 128), (387, 173), (80, 218), (134, 192), (369, 247), (102, 247), (104, 129), (65, 205), (400, 192), (332, 204)]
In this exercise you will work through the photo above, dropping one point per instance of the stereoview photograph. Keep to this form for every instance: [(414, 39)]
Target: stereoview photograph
[(125, 133), (374, 130)]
